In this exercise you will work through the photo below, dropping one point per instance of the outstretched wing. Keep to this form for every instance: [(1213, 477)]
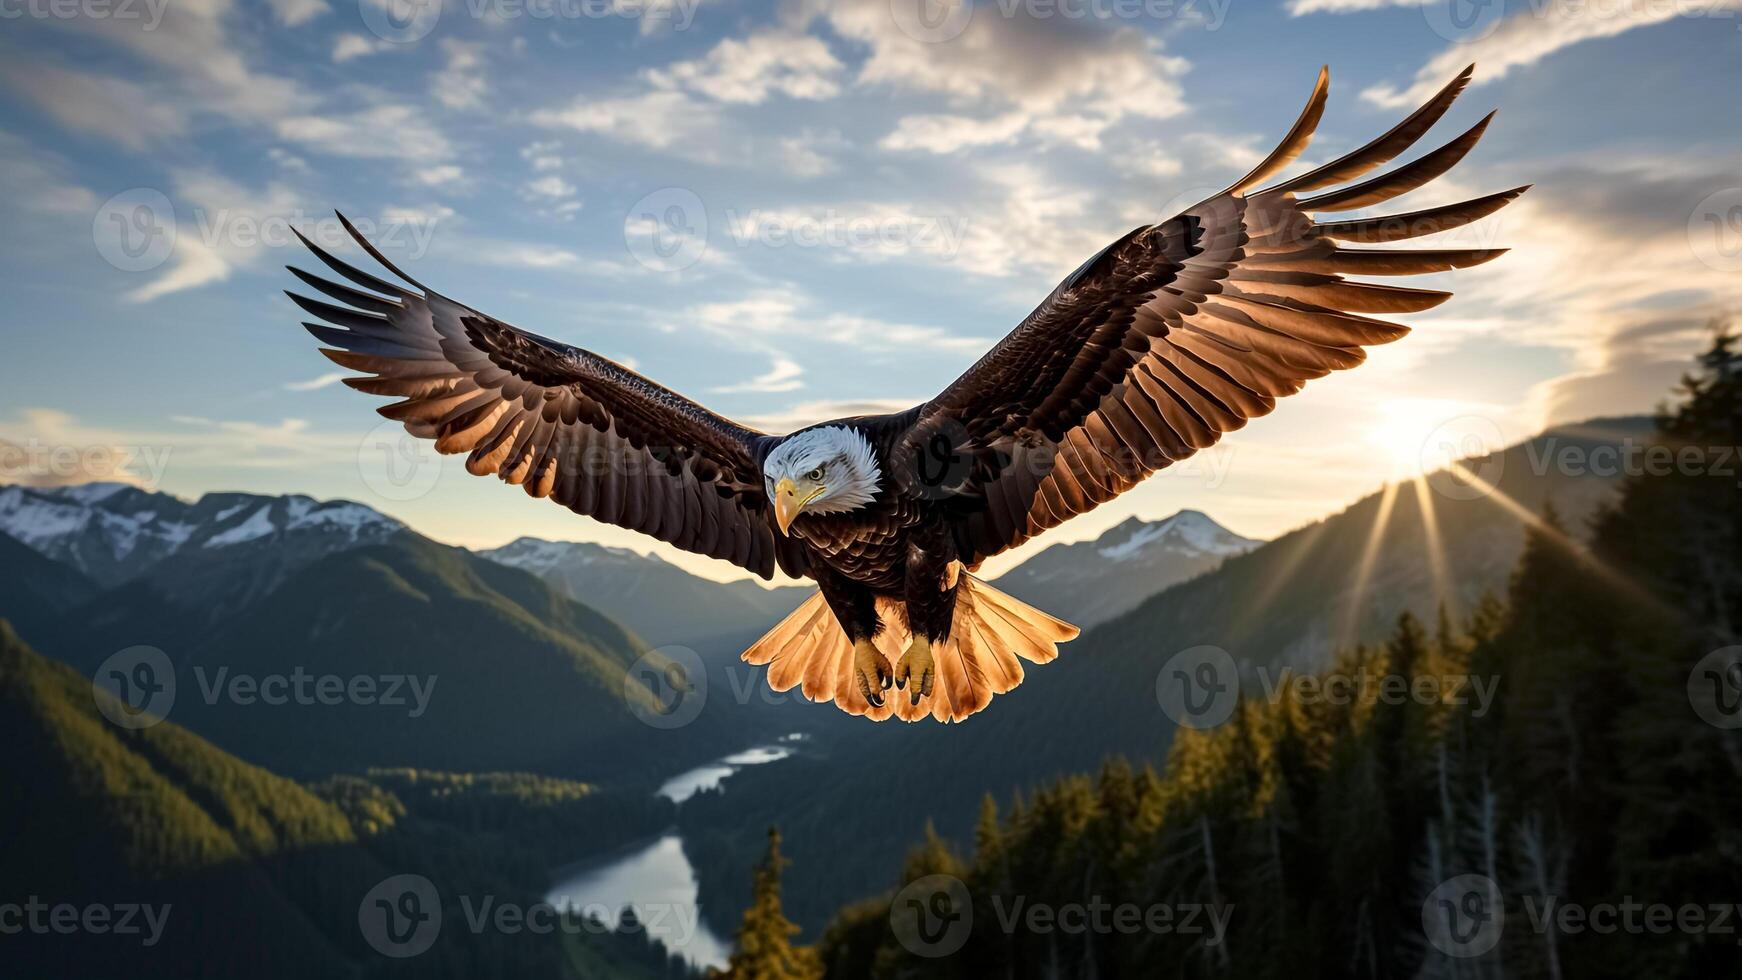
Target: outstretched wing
[(1181, 331), (560, 421)]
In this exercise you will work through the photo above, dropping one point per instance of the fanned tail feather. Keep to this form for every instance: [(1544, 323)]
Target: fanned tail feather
[(991, 635)]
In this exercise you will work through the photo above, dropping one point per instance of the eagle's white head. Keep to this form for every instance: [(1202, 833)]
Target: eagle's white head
[(827, 470)]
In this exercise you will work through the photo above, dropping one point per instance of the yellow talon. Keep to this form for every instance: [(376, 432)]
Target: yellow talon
[(918, 666), (872, 671)]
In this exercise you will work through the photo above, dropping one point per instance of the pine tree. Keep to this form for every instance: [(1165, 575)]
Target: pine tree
[(764, 949), (1675, 829)]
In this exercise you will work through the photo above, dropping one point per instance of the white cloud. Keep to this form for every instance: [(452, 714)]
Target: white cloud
[(196, 264), (783, 375), (389, 131), (786, 312), (295, 13), (1066, 80), (439, 176), (1147, 158), (806, 413), (316, 383), (672, 113), (1533, 34), (798, 66), (348, 46), (543, 155), (187, 444), (193, 45), (125, 112), (460, 84), (228, 228), (657, 120), (550, 186), (949, 133), (811, 153)]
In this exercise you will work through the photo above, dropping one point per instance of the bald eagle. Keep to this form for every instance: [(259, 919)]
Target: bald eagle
[(1172, 335)]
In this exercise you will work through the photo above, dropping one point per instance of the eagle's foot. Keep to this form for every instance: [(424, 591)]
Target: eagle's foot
[(871, 669), (918, 666)]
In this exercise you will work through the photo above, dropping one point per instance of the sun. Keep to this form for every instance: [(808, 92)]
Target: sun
[(1417, 436)]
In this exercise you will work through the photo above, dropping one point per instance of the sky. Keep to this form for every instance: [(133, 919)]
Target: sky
[(796, 211)]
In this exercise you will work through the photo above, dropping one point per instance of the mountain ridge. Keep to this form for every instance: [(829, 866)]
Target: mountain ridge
[(1090, 582)]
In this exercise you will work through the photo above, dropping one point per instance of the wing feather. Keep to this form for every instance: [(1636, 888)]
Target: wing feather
[(1179, 332), (559, 421)]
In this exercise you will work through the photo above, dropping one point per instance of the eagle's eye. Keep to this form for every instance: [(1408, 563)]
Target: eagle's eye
[(815, 476)]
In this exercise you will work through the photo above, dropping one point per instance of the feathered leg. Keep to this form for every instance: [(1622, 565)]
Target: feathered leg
[(856, 608), (931, 608)]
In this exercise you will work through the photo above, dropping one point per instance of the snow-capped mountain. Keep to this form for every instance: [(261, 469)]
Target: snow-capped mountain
[(1089, 582), (660, 602), (214, 552)]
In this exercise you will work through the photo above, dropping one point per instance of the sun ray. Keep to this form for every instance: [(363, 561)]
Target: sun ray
[(1279, 577), (1436, 552), (1350, 631), (1626, 586)]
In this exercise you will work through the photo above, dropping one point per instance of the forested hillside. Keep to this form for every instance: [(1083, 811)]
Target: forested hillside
[(223, 869), (1432, 833), (1281, 605)]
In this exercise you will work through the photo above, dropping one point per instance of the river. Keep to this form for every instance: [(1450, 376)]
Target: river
[(656, 878)]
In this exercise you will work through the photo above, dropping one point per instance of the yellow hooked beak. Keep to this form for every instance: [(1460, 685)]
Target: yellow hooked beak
[(787, 503)]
